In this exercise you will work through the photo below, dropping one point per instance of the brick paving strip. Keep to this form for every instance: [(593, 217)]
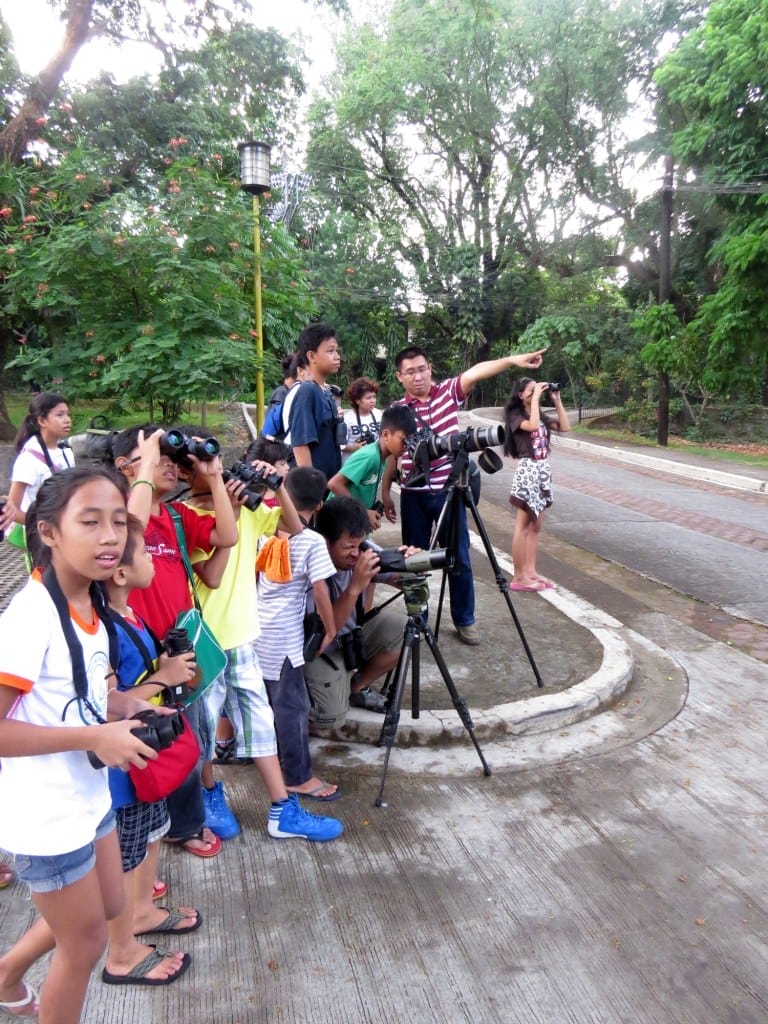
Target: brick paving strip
[(669, 514)]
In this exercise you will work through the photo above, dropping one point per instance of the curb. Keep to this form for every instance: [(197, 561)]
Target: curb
[(528, 716), (684, 469)]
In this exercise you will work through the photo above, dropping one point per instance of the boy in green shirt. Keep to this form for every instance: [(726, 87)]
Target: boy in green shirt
[(361, 474)]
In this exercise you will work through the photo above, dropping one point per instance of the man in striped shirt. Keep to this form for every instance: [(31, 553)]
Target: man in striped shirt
[(437, 406)]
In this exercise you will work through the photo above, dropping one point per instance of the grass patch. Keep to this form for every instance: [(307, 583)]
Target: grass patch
[(731, 453), (214, 415)]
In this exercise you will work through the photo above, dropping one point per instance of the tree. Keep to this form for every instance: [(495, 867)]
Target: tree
[(715, 104), (144, 302), (125, 256), (486, 142)]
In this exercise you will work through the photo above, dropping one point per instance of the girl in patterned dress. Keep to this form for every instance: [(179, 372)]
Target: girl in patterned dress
[(527, 438)]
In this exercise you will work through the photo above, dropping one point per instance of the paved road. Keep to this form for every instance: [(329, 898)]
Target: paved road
[(698, 538)]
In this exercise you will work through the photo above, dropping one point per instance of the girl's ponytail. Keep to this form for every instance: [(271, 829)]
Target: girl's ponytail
[(40, 405)]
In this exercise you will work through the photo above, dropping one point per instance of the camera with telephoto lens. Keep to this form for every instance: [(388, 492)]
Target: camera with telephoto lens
[(257, 482), (425, 446), (392, 560), (158, 732), (177, 446)]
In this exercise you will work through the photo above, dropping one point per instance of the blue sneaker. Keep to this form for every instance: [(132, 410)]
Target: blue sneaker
[(289, 820), (218, 816)]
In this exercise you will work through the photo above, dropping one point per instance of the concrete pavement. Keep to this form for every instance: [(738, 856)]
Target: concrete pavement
[(611, 869)]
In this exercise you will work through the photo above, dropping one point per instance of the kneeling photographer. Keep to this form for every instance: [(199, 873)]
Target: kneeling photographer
[(365, 649)]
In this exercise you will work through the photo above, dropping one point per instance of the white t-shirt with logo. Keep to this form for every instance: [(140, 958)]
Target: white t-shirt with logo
[(50, 803)]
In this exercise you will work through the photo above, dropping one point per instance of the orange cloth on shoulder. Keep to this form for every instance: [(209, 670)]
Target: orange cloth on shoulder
[(274, 560)]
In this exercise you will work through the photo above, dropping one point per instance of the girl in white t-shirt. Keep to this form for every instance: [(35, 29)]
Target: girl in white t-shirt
[(38, 454), (57, 822), (363, 420)]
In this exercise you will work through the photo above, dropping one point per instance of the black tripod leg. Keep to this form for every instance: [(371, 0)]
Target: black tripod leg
[(450, 541), (501, 582), (394, 701), (458, 701)]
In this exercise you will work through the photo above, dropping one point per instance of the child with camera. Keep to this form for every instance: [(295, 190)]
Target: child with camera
[(231, 610), (365, 648), (146, 670), (151, 464), (363, 420), (527, 438), (281, 644), (361, 474), (55, 701)]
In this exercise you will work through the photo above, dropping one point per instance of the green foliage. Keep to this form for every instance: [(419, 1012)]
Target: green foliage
[(143, 302), (483, 143), (715, 103), (126, 245)]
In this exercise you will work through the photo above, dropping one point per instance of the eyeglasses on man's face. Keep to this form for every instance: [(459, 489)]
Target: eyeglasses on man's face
[(415, 371)]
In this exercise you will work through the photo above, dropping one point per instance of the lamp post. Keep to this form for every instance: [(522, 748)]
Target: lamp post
[(254, 179)]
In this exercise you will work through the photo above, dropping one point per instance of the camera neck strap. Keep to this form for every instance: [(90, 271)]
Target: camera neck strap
[(47, 454), (184, 552), (132, 633), (374, 421), (79, 675)]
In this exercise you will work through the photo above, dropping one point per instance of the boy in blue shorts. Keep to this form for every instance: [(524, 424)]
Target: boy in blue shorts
[(145, 671), (231, 612)]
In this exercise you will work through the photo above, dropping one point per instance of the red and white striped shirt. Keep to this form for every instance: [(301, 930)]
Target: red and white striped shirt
[(440, 411)]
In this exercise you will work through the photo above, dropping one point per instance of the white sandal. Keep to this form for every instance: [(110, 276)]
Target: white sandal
[(30, 998)]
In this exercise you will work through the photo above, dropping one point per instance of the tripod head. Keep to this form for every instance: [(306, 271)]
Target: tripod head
[(415, 591)]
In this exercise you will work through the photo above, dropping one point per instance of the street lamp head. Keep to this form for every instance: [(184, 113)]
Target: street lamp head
[(254, 167)]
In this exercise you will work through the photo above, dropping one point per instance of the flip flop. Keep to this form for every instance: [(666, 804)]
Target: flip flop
[(6, 877), (174, 917), (214, 843), (528, 588), (30, 999), (313, 794), (159, 889), (138, 974)]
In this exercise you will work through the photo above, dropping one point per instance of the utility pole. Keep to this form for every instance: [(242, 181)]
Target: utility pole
[(665, 275)]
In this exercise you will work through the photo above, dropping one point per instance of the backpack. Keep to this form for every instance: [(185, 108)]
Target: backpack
[(273, 423)]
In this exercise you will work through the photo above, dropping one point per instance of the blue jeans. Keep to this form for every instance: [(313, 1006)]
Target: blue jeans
[(419, 511), (185, 804), (56, 871), (289, 698)]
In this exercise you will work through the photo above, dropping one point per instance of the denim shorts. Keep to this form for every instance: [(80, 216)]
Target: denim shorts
[(51, 873)]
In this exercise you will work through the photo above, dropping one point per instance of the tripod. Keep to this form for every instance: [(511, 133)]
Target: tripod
[(416, 593), (458, 493)]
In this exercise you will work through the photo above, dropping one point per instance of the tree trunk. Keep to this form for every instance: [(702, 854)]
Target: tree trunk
[(23, 128)]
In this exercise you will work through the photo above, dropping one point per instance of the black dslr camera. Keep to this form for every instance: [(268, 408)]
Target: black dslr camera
[(177, 446), (175, 642), (158, 732), (257, 482)]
